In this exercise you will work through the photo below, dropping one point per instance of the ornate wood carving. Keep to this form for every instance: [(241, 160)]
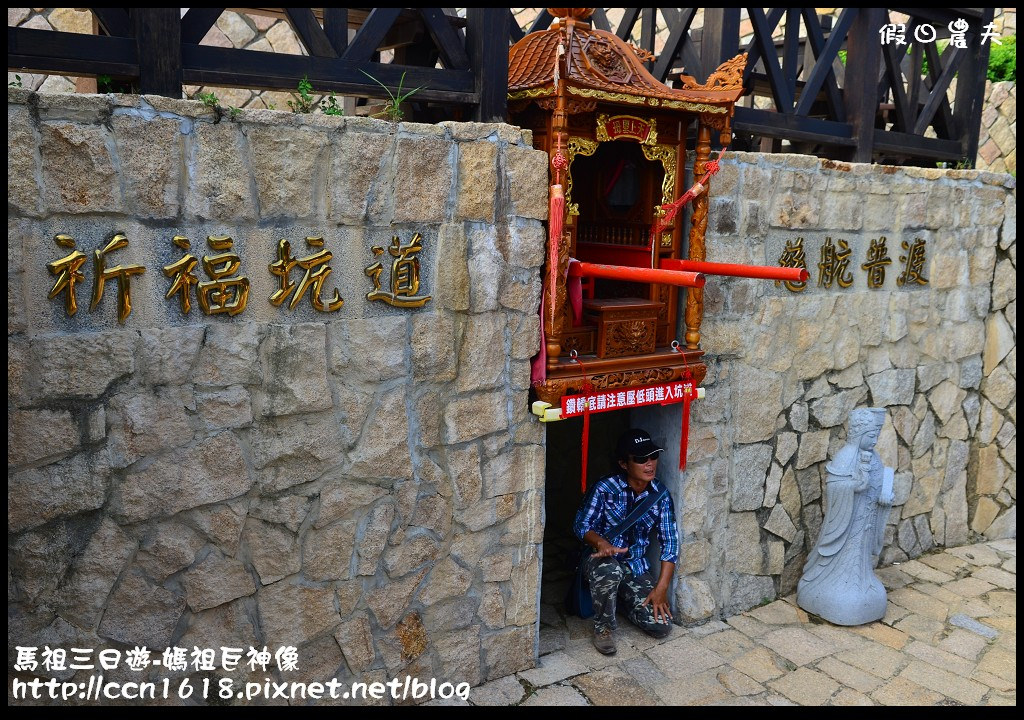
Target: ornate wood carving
[(554, 388), (699, 222)]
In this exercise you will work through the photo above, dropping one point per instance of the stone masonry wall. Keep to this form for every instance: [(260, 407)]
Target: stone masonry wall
[(786, 368), (997, 143), (365, 485)]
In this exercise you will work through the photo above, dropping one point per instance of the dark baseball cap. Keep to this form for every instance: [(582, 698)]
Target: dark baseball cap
[(636, 442)]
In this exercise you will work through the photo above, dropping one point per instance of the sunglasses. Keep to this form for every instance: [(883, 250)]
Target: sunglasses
[(641, 459)]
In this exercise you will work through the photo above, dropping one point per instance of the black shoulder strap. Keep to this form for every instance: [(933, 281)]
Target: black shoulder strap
[(638, 512)]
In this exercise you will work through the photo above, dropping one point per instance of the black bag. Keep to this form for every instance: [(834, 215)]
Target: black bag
[(579, 601)]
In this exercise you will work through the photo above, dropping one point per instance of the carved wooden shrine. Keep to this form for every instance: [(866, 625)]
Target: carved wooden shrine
[(616, 139)]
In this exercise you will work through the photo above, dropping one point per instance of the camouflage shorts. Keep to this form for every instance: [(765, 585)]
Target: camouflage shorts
[(613, 583)]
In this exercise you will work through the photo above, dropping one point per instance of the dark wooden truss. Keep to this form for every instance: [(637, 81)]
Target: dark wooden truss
[(888, 108)]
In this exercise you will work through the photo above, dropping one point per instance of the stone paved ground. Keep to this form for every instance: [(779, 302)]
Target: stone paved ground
[(949, 638)]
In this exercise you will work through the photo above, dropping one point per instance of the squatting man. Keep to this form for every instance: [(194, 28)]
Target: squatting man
[(618, 569)]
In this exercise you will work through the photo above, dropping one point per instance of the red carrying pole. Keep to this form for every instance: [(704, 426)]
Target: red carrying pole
[(635, 274), (763, 272)]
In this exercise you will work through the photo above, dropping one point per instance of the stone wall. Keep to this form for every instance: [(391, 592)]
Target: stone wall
[(785, 369), (364, 484), (997, 143)]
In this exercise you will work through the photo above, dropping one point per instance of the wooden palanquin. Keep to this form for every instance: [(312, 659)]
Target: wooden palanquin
[(616, 140)]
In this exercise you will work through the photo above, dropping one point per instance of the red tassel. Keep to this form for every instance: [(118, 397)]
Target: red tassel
[(689, 395)]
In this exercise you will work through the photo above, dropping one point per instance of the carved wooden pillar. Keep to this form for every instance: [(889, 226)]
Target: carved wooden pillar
[(557, 253), (699, 222)]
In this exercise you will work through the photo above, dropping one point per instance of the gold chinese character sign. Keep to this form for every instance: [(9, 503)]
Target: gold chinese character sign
[(405, 274)]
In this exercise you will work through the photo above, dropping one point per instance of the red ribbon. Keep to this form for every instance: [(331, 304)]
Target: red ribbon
[(689, 395), (585, 446)]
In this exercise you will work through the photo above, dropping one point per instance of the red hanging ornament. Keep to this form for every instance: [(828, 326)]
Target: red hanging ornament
[(585, 444)]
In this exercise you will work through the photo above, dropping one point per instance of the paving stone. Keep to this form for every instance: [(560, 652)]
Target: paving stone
[(698, 658), (940, 658), (883, 634), (739, 684), (998, 577), (949, 684), (847, 697), (708, 628), (729, 644), (904, 692), (1003, 602), (999, 662), (779, 613), (560, 695), (644, 671), (503, 691), (969, 587), (553, 668), (760, 663), (977, 554), (749, 626), (1008, 546), (924, 572), (840, 638), (582, 650), (893, 614), (614, 686), (921, 627), (993, 681), (893, 578), (700, 689), (848, 675), (947, 563), (797, 645), (918, 602), (806, 686), (879, 660), (963, 643), (969, 623)]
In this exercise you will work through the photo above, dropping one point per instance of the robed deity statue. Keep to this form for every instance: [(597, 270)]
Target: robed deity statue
[(839, 582)]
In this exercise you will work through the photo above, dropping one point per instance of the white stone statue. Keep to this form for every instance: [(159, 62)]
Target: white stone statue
[(839, 582)]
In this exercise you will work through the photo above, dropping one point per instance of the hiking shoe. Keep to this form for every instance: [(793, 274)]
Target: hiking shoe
[(604, 641)]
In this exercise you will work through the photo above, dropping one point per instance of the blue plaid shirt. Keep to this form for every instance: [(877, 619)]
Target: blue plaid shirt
[(608, 503)]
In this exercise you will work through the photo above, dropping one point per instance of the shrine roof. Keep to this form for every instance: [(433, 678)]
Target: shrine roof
[(600, 65)]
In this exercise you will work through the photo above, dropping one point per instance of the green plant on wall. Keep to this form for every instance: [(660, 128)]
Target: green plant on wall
[(303, 102), (16, 82), (330, 106), (392, 109)]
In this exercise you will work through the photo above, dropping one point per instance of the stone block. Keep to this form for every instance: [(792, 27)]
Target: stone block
[(365, 348), (215, 581), (482, 355), (757, 395), (507, 652), (230, 355), (434, 341), (81, 366), (476, 415), (892, 387), (274, 550), (527, 174), (295, 189), (39, 495), (327, 552), (388, 604), (294, 362), (78, 171), (296, 449), (750, 469), (168, 354), (144, 424), (477, 181), (139, 613), (452, 275), (22, 191), (211, 471), (86, 590), (695, 602), (517, 470), (743, 552), (168, 548), (35, 434), (1000, 388), (813, 449), (294, 615), (383, 447), (221, 186), (746, 591), (150, 155), (779, 523), (423, 179), (356, 172)]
